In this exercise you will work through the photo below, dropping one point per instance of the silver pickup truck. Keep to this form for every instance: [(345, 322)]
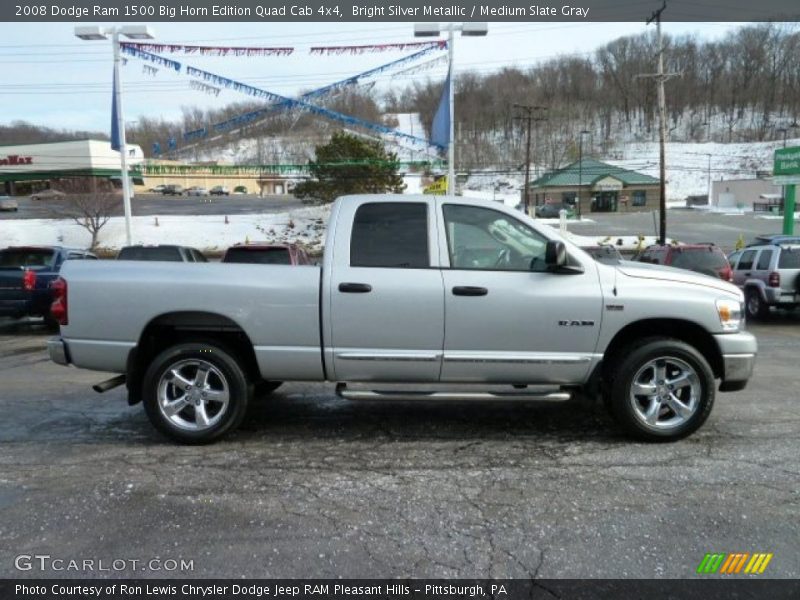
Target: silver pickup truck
[(414, 290)]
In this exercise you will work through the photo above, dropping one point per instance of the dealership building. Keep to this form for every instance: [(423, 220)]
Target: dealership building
[(29, 168)]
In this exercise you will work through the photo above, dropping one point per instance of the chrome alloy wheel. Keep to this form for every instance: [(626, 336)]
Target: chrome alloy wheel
[(193, 394), (665, 393)]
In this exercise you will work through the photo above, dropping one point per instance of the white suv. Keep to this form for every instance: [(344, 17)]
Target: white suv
[(769, 275)]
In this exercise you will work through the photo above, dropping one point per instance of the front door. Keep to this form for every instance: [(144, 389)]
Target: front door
[(387, 300), (507, 319)]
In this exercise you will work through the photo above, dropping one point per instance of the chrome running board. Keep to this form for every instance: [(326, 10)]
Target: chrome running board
[(349, 394)]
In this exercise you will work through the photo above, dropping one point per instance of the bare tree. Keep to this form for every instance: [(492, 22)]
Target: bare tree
[(89, 202)]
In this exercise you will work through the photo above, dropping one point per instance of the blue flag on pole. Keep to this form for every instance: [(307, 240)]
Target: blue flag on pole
[(440, 129), (116, 140)]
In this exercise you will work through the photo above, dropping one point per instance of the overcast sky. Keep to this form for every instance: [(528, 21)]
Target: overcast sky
[(52, 78)]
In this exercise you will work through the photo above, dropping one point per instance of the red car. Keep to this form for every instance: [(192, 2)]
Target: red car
[(707, 259), (263, 253)]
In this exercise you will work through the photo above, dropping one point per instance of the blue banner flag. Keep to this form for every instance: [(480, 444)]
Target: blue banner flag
[(116, 140), (440, 129)]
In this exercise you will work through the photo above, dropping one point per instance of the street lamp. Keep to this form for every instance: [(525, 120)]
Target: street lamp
[(433, 30), (580, 169), (133, 32)]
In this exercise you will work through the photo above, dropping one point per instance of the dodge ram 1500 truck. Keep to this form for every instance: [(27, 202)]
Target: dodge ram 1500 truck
[(413, 290)]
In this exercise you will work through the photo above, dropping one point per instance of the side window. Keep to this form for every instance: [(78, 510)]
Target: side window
[(484, 239), (639, 198), (746, 261), (764, 259), (390, 235)]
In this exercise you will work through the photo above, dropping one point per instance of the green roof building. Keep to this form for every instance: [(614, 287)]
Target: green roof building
[(598, 186)]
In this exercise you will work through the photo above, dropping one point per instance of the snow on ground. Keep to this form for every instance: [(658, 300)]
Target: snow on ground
[(208, 233), (688, 164)]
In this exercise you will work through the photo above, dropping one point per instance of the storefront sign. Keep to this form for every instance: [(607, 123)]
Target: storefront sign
[(13, 160)]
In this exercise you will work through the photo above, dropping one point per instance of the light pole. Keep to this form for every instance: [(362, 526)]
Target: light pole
[(580, 170), (133, 32), (433, 30)]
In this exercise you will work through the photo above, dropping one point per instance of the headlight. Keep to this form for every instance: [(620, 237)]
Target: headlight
[(730, 314)]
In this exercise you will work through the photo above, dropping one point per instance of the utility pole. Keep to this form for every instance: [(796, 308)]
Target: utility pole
[(660, 78), (529, 119)]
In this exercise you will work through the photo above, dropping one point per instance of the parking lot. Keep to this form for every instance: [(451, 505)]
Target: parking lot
[(315, 486)]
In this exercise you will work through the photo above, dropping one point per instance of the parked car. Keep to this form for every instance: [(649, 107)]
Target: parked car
[(240, 189), (551, 211), (774, 238), (220, 190), (603, 252), (26, 275), (47, 195), (172, 190), (7, 203), (769, 275), (414, 290), (159, 189), (196, 191), (264, 253), (707, 259), (162, 253)]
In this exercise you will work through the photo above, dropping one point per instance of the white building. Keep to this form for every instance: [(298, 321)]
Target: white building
[(742, 193), (32, 167)]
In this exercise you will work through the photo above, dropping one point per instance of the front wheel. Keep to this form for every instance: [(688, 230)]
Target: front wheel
[(661, 390), (195, 393)]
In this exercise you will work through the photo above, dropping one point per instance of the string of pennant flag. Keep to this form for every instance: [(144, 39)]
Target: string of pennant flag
[(212, 83), (279, 51)]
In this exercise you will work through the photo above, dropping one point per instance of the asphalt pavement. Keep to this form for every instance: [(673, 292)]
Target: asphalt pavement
[(157, 204), (316, 486)]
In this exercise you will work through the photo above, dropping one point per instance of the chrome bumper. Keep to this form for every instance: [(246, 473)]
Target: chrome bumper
[(738, 367), (57, 350), (738, 355)]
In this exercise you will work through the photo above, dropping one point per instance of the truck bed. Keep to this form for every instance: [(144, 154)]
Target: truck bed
[(277, 306)]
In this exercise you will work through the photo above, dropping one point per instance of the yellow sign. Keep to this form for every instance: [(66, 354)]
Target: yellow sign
[(437, 187)]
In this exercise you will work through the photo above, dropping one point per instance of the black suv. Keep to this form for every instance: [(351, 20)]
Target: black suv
[(165, 252)]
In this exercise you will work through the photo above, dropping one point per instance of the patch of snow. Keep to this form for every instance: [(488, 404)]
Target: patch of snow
[(208, 232)]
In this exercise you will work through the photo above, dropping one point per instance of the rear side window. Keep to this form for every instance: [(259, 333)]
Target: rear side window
[(789, 258), (746, 261), (261, 256), (764, 259), (390, 235), (702, 258), (22, 258)]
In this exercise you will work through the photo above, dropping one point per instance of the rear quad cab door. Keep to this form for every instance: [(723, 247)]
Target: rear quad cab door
[(386, 313)]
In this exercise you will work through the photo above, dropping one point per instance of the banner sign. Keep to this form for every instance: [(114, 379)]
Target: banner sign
[(209, 50)]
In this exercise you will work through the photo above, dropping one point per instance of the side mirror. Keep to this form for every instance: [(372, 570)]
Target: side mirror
[(555, 255)]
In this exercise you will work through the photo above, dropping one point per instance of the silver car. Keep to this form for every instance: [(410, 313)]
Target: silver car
[(8, 203), (769, 275)]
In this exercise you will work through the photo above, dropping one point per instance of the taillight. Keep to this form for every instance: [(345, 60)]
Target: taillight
[(774, 279), (58, 309), (727, 274), (28, 280)]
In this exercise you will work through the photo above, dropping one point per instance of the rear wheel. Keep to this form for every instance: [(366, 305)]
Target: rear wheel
[(661, 390), (755, 307), (195, 393)]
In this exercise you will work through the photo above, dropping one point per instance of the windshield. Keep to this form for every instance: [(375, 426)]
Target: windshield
[(25, 258), (261, 256)]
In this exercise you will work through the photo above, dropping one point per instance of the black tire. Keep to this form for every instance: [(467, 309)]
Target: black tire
[(627, 408), (225, 375), (754, 305), (264, 388)]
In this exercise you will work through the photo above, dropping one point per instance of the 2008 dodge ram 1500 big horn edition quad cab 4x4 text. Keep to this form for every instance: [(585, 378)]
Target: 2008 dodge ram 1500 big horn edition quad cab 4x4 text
[(413, 290)]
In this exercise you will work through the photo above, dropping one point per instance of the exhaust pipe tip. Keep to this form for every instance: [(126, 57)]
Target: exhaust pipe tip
[(109, 384)]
